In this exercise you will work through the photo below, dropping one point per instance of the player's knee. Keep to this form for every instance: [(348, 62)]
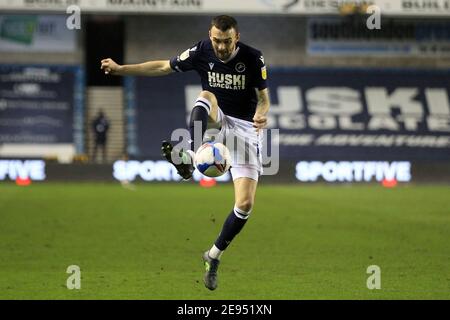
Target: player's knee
[(210, 97), (244, 205)]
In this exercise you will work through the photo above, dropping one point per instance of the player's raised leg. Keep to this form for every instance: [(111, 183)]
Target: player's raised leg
[(205, 107), (244, 192)]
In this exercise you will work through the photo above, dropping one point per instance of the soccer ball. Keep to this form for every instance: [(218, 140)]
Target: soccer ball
[(212, 159)]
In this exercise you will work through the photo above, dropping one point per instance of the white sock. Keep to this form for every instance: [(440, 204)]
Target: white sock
[(215, 253), (192, 154)]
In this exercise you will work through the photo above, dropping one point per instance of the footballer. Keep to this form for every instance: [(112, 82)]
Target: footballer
[(235, 98)]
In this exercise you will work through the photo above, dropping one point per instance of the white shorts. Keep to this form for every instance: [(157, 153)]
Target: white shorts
[(241, 172), (243, 142)]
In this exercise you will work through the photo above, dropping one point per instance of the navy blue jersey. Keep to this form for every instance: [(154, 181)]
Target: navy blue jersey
[(234, 82)]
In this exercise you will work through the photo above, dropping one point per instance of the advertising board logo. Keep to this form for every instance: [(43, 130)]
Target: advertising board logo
[(152, 171), (353, 171), (24, 170)]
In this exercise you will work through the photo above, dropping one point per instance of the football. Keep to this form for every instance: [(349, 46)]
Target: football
[(212, 159)]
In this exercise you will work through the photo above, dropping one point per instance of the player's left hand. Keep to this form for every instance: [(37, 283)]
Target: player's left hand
[(259, 122)]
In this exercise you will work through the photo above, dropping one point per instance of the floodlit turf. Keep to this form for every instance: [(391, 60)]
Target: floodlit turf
[(302, 242)]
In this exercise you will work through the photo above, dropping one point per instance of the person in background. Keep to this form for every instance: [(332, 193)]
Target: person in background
[(100, 126)]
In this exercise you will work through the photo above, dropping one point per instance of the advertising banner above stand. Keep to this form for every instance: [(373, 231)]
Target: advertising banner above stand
[(296, 7)]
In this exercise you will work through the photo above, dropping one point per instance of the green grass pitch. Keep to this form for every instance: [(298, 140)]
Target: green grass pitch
[(301, 242)]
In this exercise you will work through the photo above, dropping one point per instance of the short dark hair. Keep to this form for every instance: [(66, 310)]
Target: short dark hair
[(224, 23)]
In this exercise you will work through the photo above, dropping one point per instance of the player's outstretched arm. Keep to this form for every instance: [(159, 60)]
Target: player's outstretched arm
[(149, 68), (260, 118)]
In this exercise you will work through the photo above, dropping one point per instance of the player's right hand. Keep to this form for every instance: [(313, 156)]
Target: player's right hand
[(259, 122), (109, 66)]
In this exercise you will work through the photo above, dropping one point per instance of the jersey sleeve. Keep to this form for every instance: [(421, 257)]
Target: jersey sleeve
[(185, 61), (261, 72)]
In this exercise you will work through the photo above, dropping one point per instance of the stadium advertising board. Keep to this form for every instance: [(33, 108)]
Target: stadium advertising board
[(37, 170), (35, 33), (305, 171), (41, 105), (299, 7), (150, 170), (353, 171), (321, 114), (13, 170), (335, 36), (362, 114)]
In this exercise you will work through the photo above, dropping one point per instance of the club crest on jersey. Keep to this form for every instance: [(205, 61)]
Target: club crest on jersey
[(240, 67)]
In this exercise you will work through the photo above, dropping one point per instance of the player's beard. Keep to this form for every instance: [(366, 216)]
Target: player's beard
[(223, 55)]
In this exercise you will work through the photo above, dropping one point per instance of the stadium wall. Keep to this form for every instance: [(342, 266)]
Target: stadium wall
[(162, 37)]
